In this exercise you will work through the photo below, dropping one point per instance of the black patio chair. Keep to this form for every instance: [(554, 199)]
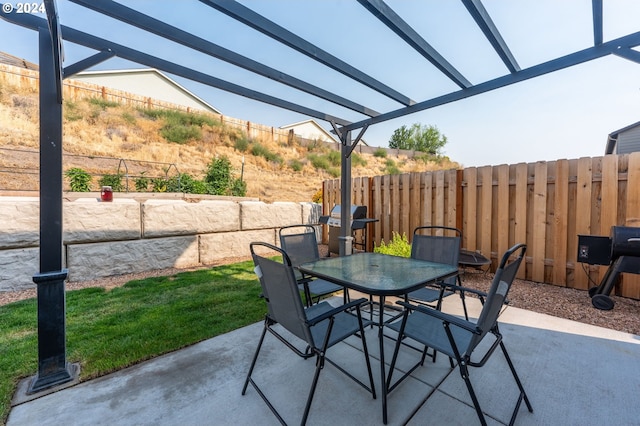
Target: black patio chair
[(437, 244), (301, 245), (458, 338), (320, 326)]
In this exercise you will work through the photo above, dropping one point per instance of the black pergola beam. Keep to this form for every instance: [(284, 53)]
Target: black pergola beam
[(627, 53), (88, 63), (87, 40), (395, 23), (596, 5), (483, 19), (169, 32), (595, 52), (258, 22)]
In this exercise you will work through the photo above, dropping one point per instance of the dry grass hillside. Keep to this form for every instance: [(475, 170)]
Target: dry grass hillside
[(95, 129)]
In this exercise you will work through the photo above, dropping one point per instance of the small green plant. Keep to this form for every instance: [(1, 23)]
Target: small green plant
[(398, 246), (296, 165), (159, 185), (358, 160), (241, 144), (380, 153), (142, 182), (79, 180), (238, 188), (114, 181), (103, 103), (129, 118), (391, 168), (71, 112), (258, 150)]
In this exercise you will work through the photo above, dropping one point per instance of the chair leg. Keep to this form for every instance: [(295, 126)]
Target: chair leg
[(314, 383), (255, 357), (523, 394), (464, 372)]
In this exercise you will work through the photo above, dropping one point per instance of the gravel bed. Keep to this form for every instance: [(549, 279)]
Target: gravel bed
[(543, 298)]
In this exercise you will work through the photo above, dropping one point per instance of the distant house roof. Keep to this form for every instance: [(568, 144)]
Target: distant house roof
[(146, 82), (5, 58), (613, 139), (309, 129)]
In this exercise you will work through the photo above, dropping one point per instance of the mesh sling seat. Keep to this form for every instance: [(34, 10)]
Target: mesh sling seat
[(301, 245), (320, 326), (443, 248), (458, 338)]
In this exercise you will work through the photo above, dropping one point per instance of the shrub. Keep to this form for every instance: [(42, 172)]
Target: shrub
[(103, 103), (380, 153), (241, 144), (261, 151), (391, 168), (218, 176), (317, 197), (296, 165), (180, 127), (398, 246), (358, 160), (114, 181), (238, 188), (79, 180)]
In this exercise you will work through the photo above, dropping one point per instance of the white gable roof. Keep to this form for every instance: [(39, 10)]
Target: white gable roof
[(309, 129), (147, 82)]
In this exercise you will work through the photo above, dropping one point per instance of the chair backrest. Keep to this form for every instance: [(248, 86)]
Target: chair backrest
[(437, 244), (280, 291), (498, 292), (300, 243)]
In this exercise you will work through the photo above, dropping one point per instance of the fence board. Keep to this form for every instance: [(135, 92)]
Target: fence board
[(520, 210), (416, 199), (583, 214), (405, 203), (609, 215), (561, 210), (427, 200), (486, 191), (539, 221), (470, 208), (502, 208), (452, 199)]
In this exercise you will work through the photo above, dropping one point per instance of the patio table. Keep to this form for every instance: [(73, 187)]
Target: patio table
[(379, 275)]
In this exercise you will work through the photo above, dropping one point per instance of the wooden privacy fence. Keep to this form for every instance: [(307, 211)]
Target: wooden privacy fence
[(544, 204)]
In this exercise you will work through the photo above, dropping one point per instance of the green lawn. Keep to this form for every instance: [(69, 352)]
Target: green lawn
[(110, 330)]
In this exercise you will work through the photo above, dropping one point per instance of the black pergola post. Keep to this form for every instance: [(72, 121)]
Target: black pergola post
[(345, 240), (52, 363)]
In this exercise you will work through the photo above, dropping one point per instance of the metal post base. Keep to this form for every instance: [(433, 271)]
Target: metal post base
[(53, 368)]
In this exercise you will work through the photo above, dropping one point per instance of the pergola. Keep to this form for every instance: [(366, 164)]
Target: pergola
[(53, 368)]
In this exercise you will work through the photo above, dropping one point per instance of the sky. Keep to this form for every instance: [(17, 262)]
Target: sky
[(563, 115)]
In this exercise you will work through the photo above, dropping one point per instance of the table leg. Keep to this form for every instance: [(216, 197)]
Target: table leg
[(382, 367)]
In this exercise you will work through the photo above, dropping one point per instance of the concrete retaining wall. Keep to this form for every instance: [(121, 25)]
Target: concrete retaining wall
[(126, 236)]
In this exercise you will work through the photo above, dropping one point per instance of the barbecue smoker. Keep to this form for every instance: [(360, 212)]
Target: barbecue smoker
[(621, 252), (358, 220)]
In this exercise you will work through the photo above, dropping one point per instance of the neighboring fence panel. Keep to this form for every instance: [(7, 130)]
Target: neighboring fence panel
[(544, 204)]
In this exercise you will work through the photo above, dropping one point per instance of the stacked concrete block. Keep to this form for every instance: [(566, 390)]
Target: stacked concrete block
[(125, 236)]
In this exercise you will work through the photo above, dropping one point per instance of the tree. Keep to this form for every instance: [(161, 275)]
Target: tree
[(425, 138)]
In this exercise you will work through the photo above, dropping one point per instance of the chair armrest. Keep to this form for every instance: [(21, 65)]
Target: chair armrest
[(335, 311), (465, 289), (450, 319)]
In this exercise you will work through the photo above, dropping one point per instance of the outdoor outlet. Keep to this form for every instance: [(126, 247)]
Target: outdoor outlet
[(583, 252)]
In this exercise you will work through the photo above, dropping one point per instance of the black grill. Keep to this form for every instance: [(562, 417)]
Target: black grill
[(358, 220), (621, 252)]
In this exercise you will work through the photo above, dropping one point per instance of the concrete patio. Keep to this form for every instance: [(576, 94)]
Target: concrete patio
[(574, 374)]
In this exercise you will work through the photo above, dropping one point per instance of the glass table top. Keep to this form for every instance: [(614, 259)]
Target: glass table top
[(378, 274)]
